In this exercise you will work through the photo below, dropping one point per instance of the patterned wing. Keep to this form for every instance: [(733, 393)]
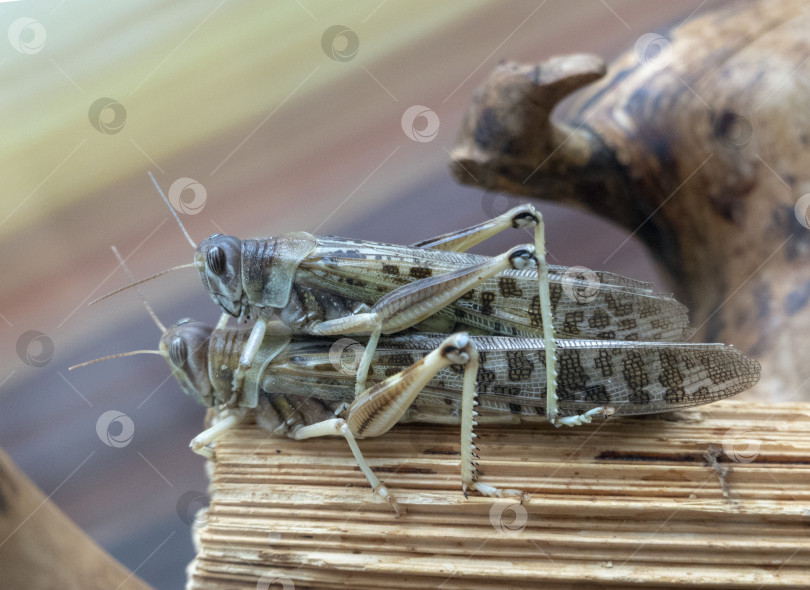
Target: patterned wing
[(596, 305), (585, 304), (631, 377)]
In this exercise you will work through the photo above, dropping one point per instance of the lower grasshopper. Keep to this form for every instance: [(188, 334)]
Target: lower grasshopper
[(438, 378), (333, 286)]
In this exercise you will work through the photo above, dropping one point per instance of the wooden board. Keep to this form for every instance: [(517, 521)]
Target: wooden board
[(713, 497)]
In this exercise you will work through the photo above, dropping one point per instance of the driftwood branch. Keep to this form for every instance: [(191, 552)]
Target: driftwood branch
[(720, 124), (712, 497)]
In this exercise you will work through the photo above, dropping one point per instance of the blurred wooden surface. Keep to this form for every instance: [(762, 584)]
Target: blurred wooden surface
[(42, 549), (713, 497), (245, 101)]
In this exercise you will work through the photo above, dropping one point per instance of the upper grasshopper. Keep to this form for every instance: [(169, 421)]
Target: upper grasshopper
[(335, 286)]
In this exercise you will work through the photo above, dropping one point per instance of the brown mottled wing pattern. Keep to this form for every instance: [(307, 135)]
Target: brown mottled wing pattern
[(606, 307), (633, 378), (597, 305)]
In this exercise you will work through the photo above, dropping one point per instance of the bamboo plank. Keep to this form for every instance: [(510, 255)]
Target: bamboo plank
[(707, 498)]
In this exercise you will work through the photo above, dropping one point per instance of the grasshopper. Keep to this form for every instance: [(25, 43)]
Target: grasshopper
[(333, 286), (436, 378)]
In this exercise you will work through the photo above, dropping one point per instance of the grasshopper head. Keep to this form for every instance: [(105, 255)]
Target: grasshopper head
[(219, 260), (185, 346)]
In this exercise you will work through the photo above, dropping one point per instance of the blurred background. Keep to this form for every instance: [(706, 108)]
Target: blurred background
[(258, 118)]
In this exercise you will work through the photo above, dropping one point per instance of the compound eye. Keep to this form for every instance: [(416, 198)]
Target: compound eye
[(178, 352), (216, 260)]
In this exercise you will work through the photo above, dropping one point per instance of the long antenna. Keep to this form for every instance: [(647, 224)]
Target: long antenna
[(154, 276), (163, 272), (115, 356), (148, 307), (180, 223)]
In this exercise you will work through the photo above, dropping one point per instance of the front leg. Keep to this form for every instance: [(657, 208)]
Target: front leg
[(223, 321), (200, 443), (248, 354)]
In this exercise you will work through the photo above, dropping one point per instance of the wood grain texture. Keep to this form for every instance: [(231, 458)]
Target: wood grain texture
[(715, 497)]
